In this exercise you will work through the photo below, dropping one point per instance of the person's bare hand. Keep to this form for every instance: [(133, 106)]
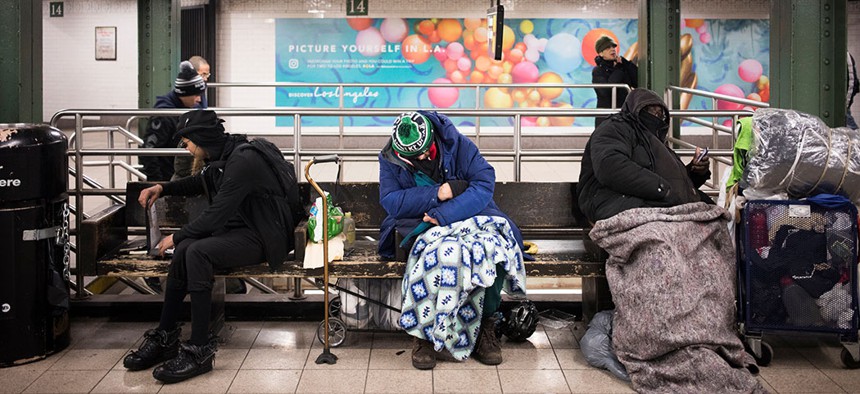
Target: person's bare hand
[(701, 166), (429, 219), (149, 195), (166, 243), (444, 192)]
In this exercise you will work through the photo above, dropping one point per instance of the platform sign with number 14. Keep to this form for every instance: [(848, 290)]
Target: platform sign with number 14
[(356, 7)]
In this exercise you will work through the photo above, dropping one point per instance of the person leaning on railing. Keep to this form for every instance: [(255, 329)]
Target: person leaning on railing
[(611, 68)]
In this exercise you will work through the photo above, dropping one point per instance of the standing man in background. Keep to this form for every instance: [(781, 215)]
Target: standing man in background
[(611, 68), (202, 66), (183, 166), (161, 131)]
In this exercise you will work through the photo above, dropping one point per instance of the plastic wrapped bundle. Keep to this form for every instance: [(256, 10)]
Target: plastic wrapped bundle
[(596, 345), (797, 154)]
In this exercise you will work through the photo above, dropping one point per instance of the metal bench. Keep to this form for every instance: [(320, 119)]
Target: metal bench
[(545, 212)]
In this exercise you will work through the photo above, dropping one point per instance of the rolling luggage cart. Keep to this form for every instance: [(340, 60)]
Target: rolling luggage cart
[(797, 271), (362, 304)]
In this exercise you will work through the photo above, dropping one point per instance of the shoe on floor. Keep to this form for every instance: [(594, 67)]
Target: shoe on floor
[(423, 354), (192, 360), (488, 349), (158, 346)]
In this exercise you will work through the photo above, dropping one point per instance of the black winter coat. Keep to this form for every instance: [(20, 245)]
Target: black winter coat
[(243, 191), (627, 166), (161, 133), (610, 72)]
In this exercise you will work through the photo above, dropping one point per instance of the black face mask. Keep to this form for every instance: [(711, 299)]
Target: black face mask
[(654, 124)]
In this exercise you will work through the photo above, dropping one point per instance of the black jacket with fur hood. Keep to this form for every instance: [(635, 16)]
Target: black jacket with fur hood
[(627, 165)]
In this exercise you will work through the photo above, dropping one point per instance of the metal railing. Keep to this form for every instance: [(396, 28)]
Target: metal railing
[(340, 92), (516, 154), (716, 128)]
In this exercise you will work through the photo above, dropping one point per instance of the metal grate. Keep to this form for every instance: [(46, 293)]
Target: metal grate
[(799, 266)]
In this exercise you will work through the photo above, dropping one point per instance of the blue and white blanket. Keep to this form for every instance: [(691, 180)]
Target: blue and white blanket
[(448, 270)]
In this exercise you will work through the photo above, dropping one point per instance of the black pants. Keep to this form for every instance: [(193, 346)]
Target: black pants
[(195, 261), (192, 270)]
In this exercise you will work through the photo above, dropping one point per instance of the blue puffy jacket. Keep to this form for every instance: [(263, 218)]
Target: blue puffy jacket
[(406, 202)]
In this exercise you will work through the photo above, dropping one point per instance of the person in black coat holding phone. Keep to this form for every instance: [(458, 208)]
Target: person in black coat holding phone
[(626, 163)]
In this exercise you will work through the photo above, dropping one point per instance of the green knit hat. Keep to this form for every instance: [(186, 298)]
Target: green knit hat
[(412, 134)]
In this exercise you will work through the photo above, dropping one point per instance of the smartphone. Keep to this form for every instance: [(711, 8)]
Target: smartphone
[(701, 154)]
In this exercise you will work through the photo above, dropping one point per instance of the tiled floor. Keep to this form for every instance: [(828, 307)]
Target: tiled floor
[(278, 357)]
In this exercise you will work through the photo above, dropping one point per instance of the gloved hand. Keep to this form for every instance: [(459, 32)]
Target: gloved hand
[(701, 166)]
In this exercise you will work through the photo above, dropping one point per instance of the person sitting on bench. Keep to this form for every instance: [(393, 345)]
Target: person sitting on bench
[(432, 175), (250, 219)]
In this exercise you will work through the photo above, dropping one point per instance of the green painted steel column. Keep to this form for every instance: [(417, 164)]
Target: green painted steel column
[(20, 61), (659, 44), (808, 46), (660, 49), (158, 24)]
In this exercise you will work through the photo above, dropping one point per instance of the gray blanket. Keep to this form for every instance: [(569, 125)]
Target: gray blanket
[(672, 276)]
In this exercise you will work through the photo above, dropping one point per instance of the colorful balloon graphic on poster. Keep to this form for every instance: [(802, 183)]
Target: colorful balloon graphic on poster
[(445, 51), (732, 57)]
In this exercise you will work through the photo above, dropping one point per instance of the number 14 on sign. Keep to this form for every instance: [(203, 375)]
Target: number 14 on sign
[(356, 7)]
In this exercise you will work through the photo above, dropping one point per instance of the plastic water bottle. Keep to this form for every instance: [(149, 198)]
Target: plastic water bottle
[(349, 230), (758, 230)]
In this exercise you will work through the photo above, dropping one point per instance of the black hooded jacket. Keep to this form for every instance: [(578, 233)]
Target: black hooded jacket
[(626, 165), (244, 190)]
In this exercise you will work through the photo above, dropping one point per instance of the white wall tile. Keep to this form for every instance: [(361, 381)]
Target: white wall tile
[(72, 78)]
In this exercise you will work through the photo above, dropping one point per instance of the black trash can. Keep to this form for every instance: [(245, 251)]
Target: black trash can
[(34, 243)]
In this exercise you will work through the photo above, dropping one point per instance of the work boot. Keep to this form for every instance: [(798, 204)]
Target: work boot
[(192, 360), (488, 349), (158, 346), (423, 354)]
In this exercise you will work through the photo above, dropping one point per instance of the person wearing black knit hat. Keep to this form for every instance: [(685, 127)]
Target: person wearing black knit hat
[(611, 68), (254, 206), (161, 131)]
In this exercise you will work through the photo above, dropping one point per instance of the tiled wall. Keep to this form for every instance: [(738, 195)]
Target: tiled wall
[(72, 77)]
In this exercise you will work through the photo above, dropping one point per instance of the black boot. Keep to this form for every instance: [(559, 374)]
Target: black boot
[(423, 354), (488, 349), (158, 346), (192, 360)]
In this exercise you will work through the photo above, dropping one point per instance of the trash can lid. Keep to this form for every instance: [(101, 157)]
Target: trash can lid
[(19, 135)]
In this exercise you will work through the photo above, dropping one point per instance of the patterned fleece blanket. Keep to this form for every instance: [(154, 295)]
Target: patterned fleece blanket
[(448, 269), (672, 276)]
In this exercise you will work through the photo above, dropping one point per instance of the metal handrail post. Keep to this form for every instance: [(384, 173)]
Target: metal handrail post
[(478, 118), (517, 152), (79, 198), (614, 97), (111, 158), (297, 155), (340, 90)]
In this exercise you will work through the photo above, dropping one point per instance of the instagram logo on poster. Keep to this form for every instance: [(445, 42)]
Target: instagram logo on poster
[(293, 63)]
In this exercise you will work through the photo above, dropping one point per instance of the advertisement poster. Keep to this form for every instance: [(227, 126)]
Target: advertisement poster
[(444, 51)]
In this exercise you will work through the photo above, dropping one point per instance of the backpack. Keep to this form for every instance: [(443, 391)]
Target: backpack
[(285, 172)]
